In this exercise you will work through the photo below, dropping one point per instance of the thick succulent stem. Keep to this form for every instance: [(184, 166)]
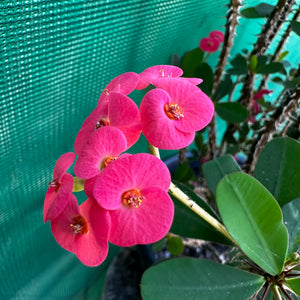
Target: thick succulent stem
[(270, 29), (230, 31)]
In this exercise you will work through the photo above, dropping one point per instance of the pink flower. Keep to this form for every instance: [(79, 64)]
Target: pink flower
[(254, 106), (149, 75), (105, 145), (60, 188), (218, 35), (124, 84), (83, 230), (261, 93), (120, 111), (134, 189), (208, 44), (171, 115)]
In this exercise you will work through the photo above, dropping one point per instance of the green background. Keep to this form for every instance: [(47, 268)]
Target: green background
[(56, 58)]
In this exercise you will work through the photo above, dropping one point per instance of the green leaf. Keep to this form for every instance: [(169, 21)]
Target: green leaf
[(188, 278), (254, 219), (232, 112), (296, 27), (292, 84), (282, 55), (215, 170), (291, 216), (260, 11), (273, 67), (262, 60), (159, 245), (253, 63), (264, 9), (224, 88), (205, 72), (239, 66), (294, 284), (186, 223), (191, 61), (175, 245), (278, 169), (183, 172)]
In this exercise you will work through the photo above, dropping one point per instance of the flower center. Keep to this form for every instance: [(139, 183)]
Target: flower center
[(101, 123), (79, 225), (173, 111), (106, 92), (54, 184), (106, 161), (132, 198)]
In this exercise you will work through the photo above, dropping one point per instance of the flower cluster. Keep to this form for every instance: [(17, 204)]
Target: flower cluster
[(212, 42), (128, 201)]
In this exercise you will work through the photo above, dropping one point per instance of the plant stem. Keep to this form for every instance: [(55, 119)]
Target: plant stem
[(276, 292), (180, 195)]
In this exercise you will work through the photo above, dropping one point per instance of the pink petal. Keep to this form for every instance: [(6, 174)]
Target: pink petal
[(92, 247), (196, 106), (89, 187), (159, 71), (218, 35), (121, 112), (106, 142), (209, 44), (136, 171), (61, 228), (145, 224), (63, 164), (55, 202), (159, 130), (124, 84)]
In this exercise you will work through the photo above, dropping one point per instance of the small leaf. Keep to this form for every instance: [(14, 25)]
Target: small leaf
[(262, 60), (292, 84), (183, 172), (254, 219), (231, 112), (188, 278), (249, 13), (191, 61), (215, 170), (296, 27), (253, 63), (273, 67), (186, 223), (224, 88), (278, 169), (282, 55), (175, 245), (239, 65), (264, 9), (294, 284), (291, 216), (205, 72)]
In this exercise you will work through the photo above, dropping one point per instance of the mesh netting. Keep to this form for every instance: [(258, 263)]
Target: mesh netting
[(56, 58)]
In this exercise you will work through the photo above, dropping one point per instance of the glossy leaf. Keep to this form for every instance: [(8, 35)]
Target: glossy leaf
[(293, 83), (188, 278), (294, 284), (215, 170), (239, 66), (253, 63), (278, 169), (254, 219), (291, 216), (205, 72), (224, 88), (232, 112), (186, 223), (296, 27), (191, 61), (273, 67)]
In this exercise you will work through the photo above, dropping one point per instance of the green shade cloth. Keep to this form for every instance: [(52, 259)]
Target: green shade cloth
[(56, 58)]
